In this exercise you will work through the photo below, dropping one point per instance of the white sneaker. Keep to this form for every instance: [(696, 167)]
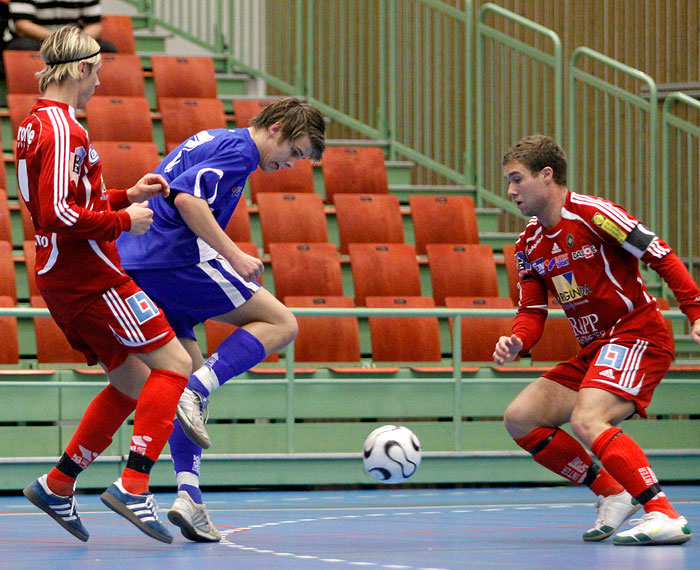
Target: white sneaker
[(193, 519), (190, 412), (612, 512), (655, 528)]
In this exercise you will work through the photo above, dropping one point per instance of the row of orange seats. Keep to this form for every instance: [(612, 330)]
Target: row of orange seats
[(393, 339)]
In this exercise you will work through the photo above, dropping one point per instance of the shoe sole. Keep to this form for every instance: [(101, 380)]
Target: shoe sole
[(121, 509), (190, 432), (682, 539), (188, 531), (33, 497)]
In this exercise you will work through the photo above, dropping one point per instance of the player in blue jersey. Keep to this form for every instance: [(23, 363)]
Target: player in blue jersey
[(194, 272)]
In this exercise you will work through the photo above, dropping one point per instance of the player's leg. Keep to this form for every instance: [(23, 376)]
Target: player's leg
[(533, 420), (169, 367), (188, 511), (604, 402), (265, 326), (53, 492)]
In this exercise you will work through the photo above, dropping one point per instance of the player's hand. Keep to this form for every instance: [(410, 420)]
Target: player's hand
[(141, 218), (248, 267), (150, 186), (507, 349), (695, 331)]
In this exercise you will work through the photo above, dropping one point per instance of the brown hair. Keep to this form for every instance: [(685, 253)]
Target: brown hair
[(297, 119), (67, 44), (536, 152)]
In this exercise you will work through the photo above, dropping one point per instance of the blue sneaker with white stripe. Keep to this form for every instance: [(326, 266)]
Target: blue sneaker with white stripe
[(62, 509), (141, 510)]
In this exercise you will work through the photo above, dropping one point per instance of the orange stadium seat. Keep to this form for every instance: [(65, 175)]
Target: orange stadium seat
[(389, 269), (9, 347), (119, 30), (19, 105), (410, 339), (311, 344), (245, 109), (511, 272), (462, 270), (180, 76), (443, 219), (354, 170), (121, 75), (124, 163), (290, 180), (51, 344), (480, 334), (181, 118), (368, 218), (297, 218), (20, 69), (119, 119), (238, 228), (8, 287), (29, 249), (302, 269), (5, 222)]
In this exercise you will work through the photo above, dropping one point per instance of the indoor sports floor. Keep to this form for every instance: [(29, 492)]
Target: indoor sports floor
[(399, 528)]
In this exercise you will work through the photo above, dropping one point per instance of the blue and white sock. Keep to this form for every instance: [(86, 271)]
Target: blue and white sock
[(239, 352), (187, 457)]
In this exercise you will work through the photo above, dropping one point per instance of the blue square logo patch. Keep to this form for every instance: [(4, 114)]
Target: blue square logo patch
[(142, 307)]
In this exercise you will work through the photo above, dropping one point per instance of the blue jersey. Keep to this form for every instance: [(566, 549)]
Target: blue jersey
[(212, 165)]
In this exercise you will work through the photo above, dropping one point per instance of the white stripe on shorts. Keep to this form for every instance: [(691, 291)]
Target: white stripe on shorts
[(225, 284), (124, 316)]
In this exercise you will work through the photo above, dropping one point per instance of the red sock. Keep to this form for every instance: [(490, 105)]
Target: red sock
[(557, 451), (626, 462), (107, 411), (153, 423)]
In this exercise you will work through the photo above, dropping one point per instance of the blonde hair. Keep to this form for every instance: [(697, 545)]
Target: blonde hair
[(62, 53)]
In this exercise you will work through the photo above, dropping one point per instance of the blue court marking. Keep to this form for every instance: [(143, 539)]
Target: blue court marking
[(393, 528)]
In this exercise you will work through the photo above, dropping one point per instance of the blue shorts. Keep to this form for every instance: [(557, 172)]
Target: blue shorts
[(192, 294)]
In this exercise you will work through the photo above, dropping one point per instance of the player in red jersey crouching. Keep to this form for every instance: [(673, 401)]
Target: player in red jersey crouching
[(102, 312), (585, 251)]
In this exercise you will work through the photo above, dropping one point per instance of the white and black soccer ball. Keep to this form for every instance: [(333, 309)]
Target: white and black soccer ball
[(391, 454)]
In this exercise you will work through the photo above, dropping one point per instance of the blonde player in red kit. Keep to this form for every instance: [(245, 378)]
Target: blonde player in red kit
[(585, 251), (102, 312)]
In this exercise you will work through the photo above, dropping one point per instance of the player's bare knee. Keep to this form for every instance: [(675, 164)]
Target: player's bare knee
[(513, 419), (585, 425), (179, 360), (288, 327)]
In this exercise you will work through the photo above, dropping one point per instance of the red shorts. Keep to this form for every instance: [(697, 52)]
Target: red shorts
[(111, 326), (629, 367)]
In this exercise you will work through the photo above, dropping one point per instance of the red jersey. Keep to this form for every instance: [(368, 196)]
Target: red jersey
[(74, 216), (589, 262)]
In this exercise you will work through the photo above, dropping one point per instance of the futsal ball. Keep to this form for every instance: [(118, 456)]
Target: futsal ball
[(391, 454)]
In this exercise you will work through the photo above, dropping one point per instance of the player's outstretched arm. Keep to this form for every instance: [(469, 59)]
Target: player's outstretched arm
[(198, 217), (150, 186), (507, 349)]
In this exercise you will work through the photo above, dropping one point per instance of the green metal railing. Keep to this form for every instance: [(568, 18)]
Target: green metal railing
[(519, 92), (613, 135), (361, 312), (680, 166)]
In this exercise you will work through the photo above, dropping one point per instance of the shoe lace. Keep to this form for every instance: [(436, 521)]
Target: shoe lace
[(645, 519), (152, 505), (203, 409)]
